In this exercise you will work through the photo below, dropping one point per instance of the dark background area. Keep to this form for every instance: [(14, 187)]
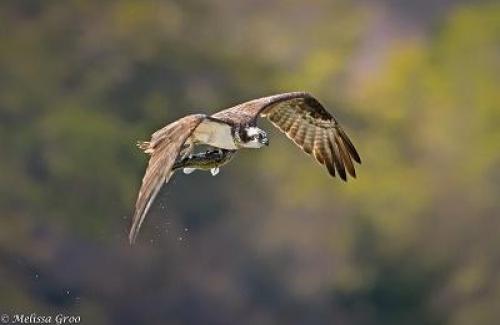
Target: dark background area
[(272, 239)]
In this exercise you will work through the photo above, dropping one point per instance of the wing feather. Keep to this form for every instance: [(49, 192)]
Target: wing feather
[(323, 145), (292, 132), (352, 150), (164, 148), (309, 139), (339, 165), (319, 150), (282, 116), (288, 122), (300, 137), (345, 157)]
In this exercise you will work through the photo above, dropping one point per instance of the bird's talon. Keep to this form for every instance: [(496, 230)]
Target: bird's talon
[(188, 171)]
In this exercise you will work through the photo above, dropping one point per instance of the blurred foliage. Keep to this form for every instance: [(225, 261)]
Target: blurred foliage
[(273, 240)]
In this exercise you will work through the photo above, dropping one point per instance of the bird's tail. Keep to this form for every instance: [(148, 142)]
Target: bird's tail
[(145, 146)]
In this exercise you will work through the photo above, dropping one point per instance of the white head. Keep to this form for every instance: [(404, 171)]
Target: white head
[(253, 137)]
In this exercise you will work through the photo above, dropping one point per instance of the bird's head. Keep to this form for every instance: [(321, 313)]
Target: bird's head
[(253, 137)]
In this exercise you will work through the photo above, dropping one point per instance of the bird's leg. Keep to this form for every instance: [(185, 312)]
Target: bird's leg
[(188, 171), (215, 171), (188, 150)]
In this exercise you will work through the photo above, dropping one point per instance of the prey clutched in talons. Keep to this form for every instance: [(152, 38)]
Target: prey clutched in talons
[(210, 160)]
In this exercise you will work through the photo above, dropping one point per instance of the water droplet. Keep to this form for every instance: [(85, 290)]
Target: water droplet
[(186, 229), (68, 292), (180, 238)]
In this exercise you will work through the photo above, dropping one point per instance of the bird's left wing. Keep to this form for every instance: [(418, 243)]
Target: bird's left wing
[(164, 148)]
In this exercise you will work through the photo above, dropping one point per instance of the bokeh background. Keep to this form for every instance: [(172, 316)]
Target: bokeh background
[(271, 240)]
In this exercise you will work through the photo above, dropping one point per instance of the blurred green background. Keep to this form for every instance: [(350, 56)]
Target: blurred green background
[(271, 240)]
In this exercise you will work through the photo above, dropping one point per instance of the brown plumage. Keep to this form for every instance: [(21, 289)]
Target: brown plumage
[(298, 114)]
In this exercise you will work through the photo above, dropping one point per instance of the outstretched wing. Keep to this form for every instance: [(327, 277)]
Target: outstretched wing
[(164, 148), (307, 123)]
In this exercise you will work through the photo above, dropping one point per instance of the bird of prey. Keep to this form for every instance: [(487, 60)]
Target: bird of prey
[(297, 114)]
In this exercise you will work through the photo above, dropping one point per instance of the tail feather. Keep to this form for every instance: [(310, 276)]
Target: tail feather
[(145, 146)]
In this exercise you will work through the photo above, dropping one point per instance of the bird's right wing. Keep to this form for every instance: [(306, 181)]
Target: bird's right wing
[(307, 123), (316, 131), (164, 148)]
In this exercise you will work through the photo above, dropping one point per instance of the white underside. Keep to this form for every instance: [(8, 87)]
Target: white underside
[(214, 134), (213, 171)]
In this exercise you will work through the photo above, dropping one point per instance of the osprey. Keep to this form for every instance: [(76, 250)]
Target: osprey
[(297, 114)]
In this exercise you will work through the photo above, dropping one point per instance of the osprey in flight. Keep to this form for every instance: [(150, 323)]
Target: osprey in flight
[(297, 114)]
